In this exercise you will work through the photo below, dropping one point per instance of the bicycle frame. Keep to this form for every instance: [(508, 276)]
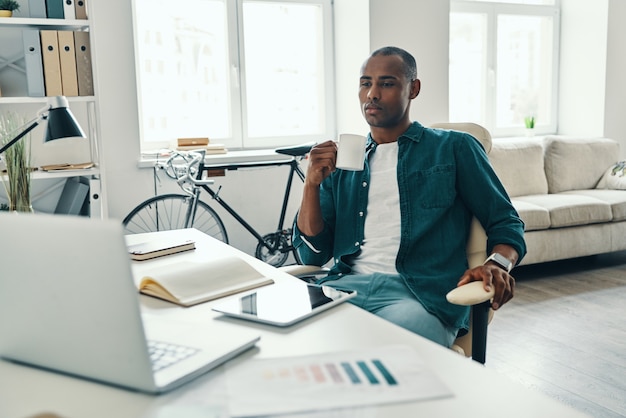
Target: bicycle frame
[(294, 169), (191, 210)]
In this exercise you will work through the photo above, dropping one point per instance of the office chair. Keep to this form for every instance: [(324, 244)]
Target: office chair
[(474, 343)]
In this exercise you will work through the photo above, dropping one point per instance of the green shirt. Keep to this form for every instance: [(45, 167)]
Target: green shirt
[(444, 177)]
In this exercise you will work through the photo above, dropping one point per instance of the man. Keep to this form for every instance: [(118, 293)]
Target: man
[(397, 230)]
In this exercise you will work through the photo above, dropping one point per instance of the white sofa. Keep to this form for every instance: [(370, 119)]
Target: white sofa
[(559, 187)]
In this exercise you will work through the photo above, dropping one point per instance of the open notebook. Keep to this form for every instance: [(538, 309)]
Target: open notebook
[(68, 303)]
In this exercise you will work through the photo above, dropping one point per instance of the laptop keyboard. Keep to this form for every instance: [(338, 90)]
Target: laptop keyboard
[(163, 354)]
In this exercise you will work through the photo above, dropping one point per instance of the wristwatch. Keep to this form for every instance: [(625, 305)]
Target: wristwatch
[(501, 261)]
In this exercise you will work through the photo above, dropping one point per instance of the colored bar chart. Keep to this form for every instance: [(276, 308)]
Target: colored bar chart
[(342, 380)]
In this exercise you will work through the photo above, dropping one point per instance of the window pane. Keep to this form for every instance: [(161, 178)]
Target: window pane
[(524, 68), (468, 73), (183, 67), (284, 69)]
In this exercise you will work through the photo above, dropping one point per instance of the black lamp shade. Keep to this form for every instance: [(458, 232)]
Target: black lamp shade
[(62, 124)]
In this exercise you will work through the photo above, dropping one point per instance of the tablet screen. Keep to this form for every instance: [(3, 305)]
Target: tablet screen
[(283, 304)]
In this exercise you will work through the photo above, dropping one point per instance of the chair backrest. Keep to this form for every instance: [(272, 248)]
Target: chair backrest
[(477, 241), (477, 131)]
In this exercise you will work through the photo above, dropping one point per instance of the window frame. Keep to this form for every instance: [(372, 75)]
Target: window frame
[(492, 10), (239, 139)]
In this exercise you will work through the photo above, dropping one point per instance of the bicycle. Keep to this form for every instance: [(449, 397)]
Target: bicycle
[(176, 211)]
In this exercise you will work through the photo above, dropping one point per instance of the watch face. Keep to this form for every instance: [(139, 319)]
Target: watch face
[(501, 261)]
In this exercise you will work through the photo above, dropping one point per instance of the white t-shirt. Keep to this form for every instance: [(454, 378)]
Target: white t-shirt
[(382, 223)]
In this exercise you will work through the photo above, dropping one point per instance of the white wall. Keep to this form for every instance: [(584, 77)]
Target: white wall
[(352, 46), (583, 67), (615, 100), (592, 91), (421, 27)]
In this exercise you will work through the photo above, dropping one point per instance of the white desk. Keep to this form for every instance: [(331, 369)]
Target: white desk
[(478, 391)]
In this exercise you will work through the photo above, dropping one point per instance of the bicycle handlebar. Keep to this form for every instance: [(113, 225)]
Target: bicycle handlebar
[(185, 173)]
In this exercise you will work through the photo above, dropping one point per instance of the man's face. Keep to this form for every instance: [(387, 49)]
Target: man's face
[(385, 92)]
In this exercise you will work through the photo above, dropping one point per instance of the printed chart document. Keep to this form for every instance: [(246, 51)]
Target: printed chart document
[(348, 379), (188, 283)]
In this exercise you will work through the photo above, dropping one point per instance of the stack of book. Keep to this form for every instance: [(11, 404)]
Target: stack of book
[(192, 144)]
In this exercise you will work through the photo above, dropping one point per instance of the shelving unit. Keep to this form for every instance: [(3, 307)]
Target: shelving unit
[(47, 186), (27, 22)]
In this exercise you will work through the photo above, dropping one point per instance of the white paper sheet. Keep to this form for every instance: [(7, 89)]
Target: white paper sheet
[(329, 381)]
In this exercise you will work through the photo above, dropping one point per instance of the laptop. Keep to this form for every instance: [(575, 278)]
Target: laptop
[(68, 303)]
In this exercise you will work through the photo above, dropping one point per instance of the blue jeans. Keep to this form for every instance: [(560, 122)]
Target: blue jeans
[(387, 296)]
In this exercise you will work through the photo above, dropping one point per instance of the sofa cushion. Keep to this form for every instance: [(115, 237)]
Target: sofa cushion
[(614, 177), (577, 163), (615, 198), (519, 165), (534, 217), (571, 209)]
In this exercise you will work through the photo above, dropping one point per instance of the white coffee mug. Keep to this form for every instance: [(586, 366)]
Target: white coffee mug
[(351, 152)]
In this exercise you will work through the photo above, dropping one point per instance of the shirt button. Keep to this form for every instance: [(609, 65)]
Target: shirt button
[(356, 244), (360, 213), (364, 184)]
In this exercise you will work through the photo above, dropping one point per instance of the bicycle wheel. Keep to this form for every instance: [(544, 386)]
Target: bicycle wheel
[(280, 252), (167, 212)]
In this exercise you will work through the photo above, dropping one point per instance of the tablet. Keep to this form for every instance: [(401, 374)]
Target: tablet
[(283, 304)]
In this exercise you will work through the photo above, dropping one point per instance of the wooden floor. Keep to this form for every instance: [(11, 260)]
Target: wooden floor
[(564, 333)]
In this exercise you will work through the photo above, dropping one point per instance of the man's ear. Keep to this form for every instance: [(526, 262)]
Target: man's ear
[(416, 85)]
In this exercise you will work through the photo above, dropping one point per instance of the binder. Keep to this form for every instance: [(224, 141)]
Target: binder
[(54, 9), (68, 9), (33, 62), (37, 8), (93, 202), (80, 9), (83, 63), (67, 56), (51, 62), (72, 197)]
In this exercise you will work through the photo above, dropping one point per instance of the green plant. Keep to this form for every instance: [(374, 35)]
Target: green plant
[(11, 5), (529, 121), (17, 160)]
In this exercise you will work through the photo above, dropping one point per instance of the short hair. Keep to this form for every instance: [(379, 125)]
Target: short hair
[(410, 66)]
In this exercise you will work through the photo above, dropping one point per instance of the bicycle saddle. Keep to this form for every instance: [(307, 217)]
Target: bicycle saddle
[(297, 150)]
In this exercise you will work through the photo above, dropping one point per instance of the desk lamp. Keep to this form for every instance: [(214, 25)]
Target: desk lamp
[(61, 123)]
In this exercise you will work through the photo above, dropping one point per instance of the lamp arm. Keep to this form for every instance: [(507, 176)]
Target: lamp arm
[(33, 123)]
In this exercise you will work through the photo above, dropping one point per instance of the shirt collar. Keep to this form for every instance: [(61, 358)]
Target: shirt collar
[(413, 133)]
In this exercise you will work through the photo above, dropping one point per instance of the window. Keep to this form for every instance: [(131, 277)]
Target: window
[(504, 64), (245, 73)]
